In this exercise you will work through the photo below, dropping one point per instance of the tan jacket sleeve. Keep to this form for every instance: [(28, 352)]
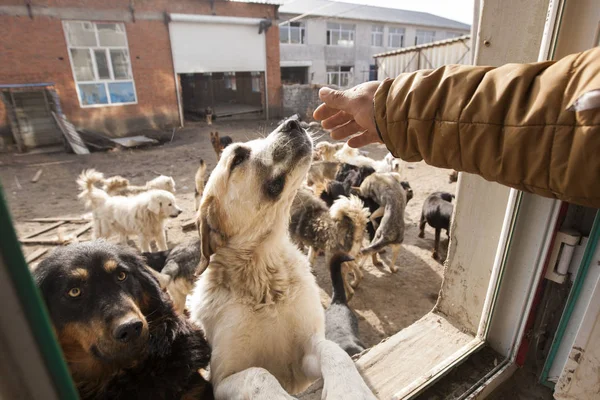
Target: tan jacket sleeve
[(508, 124)]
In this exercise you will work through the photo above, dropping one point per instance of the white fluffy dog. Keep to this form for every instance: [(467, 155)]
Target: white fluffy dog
[(119, 186), (144, 214), (352, 156), (257, 300)]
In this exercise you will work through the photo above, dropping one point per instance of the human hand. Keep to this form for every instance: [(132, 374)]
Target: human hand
[(347, 112)]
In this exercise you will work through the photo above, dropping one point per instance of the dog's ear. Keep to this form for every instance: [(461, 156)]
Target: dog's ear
[(154, 205), (210, 240)]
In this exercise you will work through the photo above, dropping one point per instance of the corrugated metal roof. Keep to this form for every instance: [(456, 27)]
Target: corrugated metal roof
[(327, 8), (463, 38)]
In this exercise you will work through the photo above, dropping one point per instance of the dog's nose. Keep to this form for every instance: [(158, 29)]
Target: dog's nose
[(291, 125), (129, 331)]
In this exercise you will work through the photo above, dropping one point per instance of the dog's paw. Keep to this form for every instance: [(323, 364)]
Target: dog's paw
[(422, 235), (435, 255), (393, 268)]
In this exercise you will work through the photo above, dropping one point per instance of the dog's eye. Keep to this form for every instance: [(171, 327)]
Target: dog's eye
[(74, 292), (170, 204), (121, 276), (275, 187)]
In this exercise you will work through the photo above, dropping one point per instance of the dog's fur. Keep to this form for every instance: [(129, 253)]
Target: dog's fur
[(177, 267), (119, 186), (333, 191), (320, 172), (453, 176), (352, 174), (341, 324), (199, 183), (352, 156), (437, 212), (325, 151), (120, 337), (387, 191), (340, 228), (144, 214), (219, 143), (257, 299)]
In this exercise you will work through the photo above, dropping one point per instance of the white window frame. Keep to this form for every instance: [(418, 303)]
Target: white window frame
[(255, 81), (350, 32), (92, 50), (393, 33), (288, 27), (422, 34), (452, 35), (347, 75), (377, 32)]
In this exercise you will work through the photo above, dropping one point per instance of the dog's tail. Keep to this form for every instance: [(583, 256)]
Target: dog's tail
[(92, 195), (114, 184), (338, 293), (199, 178)]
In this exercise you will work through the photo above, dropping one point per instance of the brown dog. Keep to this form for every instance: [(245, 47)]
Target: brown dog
[(219, 143)]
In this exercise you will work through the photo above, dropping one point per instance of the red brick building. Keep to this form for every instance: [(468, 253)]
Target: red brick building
[(120, 66)]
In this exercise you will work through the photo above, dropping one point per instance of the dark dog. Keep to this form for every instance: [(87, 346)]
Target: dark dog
[(345, 174), (437, 212), (177, 268), (219, 143), (333, 191), (119, 333), (341, 324)]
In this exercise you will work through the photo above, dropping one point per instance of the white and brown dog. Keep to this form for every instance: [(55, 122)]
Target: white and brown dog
[(257, 300)]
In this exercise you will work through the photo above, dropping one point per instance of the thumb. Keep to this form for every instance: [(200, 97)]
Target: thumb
[(334, 98)]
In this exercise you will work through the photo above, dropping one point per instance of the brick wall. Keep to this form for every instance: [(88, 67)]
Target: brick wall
[(300, 99), (35, 50)]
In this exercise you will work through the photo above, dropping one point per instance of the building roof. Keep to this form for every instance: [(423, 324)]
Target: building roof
[(464, 38), (273, 2), (338, 9)]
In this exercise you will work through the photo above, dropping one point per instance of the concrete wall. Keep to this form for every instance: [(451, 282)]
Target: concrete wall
[(43, 57), (360, 55), (300, 99)]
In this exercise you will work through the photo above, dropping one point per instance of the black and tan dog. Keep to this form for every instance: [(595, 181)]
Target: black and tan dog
[(219, 143), (119, 333)]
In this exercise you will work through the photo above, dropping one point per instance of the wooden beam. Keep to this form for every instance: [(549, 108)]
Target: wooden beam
[(36, 254), (188, 225), (56, 241), (71, 220), (44, 229)]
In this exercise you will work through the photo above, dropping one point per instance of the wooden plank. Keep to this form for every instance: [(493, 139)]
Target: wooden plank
[(12, 119), (56, 241), (70, 134), (50, 163), (45, 229), (37, 176), (189, 225), (71, 220), (36, 254)]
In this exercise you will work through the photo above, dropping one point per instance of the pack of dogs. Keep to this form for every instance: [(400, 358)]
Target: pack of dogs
[(235, 312)]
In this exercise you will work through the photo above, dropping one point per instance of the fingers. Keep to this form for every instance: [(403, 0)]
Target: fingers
[(323, 112), (334, 98), (363, 139), (346, 130), (340, 118)]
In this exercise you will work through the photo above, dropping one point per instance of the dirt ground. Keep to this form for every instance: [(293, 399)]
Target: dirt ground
[(385, 302)]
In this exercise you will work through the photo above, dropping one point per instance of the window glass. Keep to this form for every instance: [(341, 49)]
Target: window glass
[(121, 92), (111, 35), (102, 64), (81, 34), (82, 64), (92, 93)]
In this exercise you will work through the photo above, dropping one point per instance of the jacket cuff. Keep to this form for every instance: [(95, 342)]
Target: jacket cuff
[(380, 105)]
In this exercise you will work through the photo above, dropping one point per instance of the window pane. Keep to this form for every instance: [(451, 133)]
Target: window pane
[(295, 35), (120, 64), (121, 92), (332, 26), (102, 64), (283, 34), (81, 34), (111, 35), (82, 65), (93, 93), (335, 37)]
